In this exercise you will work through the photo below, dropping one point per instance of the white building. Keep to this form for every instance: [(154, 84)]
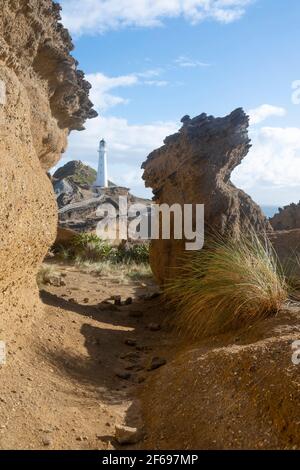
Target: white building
[(102, 178)]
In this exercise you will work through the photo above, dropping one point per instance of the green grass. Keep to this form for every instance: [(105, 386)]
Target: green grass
[(229, 284), (88, 247)]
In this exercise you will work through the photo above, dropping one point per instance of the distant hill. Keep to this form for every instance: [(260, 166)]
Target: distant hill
[(76, 172), (287, 218)]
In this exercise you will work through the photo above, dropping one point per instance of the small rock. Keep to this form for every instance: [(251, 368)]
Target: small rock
[(156, 363), (128, 301), (117, 299), (154, 327), (126, 435), (46, 442), (131, 342), (79, 438), (123, 375), (86, 300), (131, 356), (55, 280)]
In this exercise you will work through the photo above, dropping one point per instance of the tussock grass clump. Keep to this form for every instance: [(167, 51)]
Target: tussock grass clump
[(227, 285)]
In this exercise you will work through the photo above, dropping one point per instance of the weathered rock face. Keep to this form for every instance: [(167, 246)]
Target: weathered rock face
[(236, 391), (288, 218), (287, 247), (43, 97), (194, 167), (78, 200)]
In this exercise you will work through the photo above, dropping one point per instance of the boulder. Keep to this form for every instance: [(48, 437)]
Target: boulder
[(194, 167), (236, 391)]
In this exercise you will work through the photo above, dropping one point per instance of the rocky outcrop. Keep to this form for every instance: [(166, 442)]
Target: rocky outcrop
[(43, 97), (194, 167), (76, 172), (287, 218), (78, 200), (287, 247), (236, 391), (81, 216), (73, 183)]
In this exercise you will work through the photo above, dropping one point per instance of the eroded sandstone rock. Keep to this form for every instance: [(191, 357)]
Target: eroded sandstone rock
[(44, 96), (194, 167)]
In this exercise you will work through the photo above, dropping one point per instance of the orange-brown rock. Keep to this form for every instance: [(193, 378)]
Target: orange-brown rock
[(237, 391), (194, 167), (43, 97)]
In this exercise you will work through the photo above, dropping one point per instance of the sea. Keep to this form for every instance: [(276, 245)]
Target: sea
[(269, 211)]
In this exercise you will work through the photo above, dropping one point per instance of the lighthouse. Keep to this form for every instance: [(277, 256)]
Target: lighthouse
[(102, 180)]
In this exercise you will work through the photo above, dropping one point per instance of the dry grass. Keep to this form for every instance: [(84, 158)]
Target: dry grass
[(121, 272), (47, 274), (227, 285)]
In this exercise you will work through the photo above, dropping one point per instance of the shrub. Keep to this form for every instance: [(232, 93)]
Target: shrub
[(89, 247), (227, 285), (138, 254), (63, 253)]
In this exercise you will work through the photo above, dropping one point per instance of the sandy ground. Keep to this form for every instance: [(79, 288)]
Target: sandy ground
[(68, 391), (77, 372)]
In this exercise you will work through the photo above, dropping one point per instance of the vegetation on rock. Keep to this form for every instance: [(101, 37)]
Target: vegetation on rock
[(230, 284)]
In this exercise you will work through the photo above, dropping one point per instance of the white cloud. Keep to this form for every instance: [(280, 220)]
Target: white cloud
[(102, 85), (150, 73), (99, 16), (158, 83), (186, 62), (265, 111), (273, 161)]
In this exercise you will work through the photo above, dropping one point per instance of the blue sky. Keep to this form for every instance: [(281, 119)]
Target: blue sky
[(153, 61)]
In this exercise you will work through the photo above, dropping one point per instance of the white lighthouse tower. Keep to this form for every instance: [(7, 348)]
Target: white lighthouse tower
[(102, 180)]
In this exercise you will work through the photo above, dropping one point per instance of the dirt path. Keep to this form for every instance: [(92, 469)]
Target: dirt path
[(88, 361)]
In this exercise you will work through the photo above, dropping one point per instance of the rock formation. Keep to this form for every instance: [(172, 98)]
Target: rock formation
[(194, 167), (236, 391), (43, 97), (287, 218), (78, 200), (73, 183)]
